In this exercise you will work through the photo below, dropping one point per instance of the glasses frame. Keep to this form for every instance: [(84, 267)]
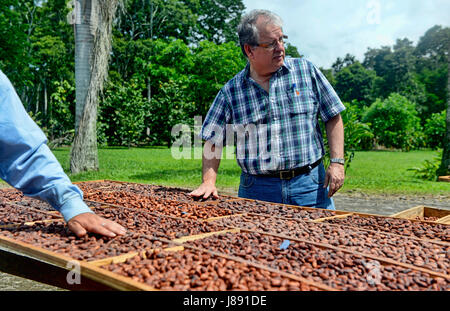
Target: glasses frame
[(271, 45)]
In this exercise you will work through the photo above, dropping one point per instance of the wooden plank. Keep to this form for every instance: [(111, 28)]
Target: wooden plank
[(124, 257), (444, 178), (423, 212), (94, 273), (113, 260), (435, 212), (331, 217), (203, 235), (222, 217), (444, 220), (410, 212), (26, 267), (382, 216)]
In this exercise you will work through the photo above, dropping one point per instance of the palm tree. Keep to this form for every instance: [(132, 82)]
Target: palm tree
[(93, 27)]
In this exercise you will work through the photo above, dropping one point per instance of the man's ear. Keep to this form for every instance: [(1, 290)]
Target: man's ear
[(248, 50)]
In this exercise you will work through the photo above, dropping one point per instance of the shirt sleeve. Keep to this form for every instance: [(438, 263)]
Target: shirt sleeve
[(330, 103), (26, 162), (219, 115)]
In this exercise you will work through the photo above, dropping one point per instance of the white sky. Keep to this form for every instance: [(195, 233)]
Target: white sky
[(323, 30)]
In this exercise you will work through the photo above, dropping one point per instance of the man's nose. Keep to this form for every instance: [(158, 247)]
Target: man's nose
[(279, 45)]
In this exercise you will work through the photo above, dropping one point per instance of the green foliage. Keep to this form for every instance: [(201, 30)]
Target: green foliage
[(187, 49), (61, 114), (292, 51), (122, 114), (213, 66), (153, 19), (354, 82), (434, 130), (217, 20), (357, 135), (435, 82), (394, 122), (167, 109), (429, 168)]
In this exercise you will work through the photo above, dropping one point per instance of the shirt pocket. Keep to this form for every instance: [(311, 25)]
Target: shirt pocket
[(254, 114), (302, 102)]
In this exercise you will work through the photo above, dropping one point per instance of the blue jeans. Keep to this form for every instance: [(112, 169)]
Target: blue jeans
[(303, 190)]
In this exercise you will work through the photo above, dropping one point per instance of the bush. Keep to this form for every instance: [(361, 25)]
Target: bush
[(357, 135), (395, 123), (429, 169), (435, 130), (168, 108), (122, 113), (61, 118)]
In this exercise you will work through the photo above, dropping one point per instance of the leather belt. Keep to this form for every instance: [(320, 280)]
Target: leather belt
[(289, 174)]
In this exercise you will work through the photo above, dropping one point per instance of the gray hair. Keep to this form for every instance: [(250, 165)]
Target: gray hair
[(248, 32)]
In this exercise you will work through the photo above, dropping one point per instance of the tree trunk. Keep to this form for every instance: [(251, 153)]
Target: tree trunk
[(84, 46), (92, 46), (444, 169)]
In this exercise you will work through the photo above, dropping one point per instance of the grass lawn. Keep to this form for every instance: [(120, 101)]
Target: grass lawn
[(386, 172), (370, 172)]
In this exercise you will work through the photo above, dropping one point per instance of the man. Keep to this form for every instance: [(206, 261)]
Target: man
[(277, 102), (27, 164)]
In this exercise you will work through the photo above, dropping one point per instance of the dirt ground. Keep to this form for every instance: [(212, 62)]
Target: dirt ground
[(357, 202)]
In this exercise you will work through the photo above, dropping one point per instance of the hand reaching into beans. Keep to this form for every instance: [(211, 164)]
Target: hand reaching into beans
[(89, 222)]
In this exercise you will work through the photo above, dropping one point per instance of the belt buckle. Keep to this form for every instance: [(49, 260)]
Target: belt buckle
[(287, 175)]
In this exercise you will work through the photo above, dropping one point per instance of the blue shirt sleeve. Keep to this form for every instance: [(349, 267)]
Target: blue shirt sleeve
[(218, 116), (26, 162), (330, 103)]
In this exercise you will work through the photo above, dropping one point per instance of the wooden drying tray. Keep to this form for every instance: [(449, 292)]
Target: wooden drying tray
[(425, 211), (38, 264), (41, 265), (338, 213), (35, 263), (226, 197)]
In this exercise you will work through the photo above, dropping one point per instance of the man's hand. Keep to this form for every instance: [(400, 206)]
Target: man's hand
[(89, 222), (334, 178), (210, 165), (205, 190)]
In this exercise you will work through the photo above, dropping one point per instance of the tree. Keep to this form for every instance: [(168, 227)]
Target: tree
[(444, 169), (214, 66), (396, 69), (291, 50), (394, 122), (354, 82), (340, 63), (153, 19), (93, 28), (217, 20), (431, 66)]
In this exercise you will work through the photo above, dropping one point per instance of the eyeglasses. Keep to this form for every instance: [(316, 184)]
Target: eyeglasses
[(272, 45)]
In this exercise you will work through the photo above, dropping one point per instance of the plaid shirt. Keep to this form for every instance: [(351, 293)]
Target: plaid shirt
[(278, 130)]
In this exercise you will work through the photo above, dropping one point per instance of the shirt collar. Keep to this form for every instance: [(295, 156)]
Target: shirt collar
[(284, 69)]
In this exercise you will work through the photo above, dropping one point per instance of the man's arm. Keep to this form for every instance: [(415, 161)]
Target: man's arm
[(335, 174), (210, 165), (27, 164)]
